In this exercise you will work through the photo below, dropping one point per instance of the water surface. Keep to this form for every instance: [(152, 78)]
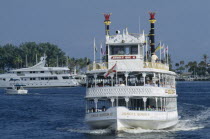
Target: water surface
[(53, 113)]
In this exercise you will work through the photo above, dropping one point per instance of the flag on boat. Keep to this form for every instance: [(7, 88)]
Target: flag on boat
[(158, 47), (111, 71), (165, 49), (102, 49), (94, 45)]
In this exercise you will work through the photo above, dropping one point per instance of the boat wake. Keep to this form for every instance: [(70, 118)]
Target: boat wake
[(87, 131), (188, 122)]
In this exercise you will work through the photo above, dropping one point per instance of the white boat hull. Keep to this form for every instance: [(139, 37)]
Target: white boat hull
[(120, 118), (13, 91), (39, 84)]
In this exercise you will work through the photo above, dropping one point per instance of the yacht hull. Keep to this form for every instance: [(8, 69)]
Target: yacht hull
[(40, 84), (11, 91), (120, 118)]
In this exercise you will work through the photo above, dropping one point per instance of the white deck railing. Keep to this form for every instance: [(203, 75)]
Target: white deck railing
[(129, 91), (127, 65)]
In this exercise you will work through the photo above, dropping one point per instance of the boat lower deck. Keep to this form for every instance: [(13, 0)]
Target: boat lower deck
[(118, 118)]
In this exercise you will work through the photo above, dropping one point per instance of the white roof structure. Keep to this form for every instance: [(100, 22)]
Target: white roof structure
[(125, 37), (41, 67)]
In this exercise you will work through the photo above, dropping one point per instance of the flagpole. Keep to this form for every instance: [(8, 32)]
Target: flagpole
[(164, 51), (146, 49), (160, 51), (143, 51), (139, 25), (116, 73), (94, 50), (167, 56), (101, 54), (36, 59)]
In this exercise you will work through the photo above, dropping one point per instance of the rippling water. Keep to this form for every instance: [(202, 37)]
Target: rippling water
[(59, 113)]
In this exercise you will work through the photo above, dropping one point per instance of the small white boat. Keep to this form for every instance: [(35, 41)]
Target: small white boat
[(16, 89)]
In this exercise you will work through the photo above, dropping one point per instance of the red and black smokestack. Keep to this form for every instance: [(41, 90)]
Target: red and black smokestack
[(152, 32), (107, 22)]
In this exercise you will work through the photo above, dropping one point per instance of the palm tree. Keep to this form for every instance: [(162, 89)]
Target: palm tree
[(177, 66), (205, 57), (18, 61)]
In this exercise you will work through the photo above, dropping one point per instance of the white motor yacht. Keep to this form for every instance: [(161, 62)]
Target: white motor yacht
[(40, 76)]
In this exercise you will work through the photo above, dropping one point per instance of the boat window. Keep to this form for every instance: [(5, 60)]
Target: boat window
[(51, 78), (41, 71), (65, 77), (42, 78), (32, 71), (3, 79), (55, 78), (124, 50), (32, 78), (102, 105), (46, 78)]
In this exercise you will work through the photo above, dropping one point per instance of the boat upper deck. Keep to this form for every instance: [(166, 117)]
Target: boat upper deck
[(127, 65)]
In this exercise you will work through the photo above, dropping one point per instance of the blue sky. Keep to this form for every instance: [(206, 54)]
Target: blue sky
[(184, 25)]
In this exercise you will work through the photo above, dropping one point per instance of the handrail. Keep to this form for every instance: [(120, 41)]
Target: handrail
[(104, 65), (156, 65)]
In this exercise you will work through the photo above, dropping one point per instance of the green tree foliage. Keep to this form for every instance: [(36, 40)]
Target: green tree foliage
[(196, 68), (12, 56)]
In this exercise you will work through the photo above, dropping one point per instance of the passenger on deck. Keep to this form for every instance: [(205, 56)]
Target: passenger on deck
[(149, 108), (154, 58), (157, 83), (103, 108), (121, 84)]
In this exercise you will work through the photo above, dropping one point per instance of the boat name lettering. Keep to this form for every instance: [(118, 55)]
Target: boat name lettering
[(123, 57), (134, 114), (101, 114), (170, 91)]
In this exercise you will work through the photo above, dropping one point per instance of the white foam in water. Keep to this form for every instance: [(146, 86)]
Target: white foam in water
[(140, 130), (193, 123), (97, 131), (87, 131)]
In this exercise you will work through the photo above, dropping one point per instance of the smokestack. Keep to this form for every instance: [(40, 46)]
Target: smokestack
[(107, 22), (152, 32)]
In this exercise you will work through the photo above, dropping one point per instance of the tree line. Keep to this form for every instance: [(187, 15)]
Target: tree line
[(29, 53), (196, 68)]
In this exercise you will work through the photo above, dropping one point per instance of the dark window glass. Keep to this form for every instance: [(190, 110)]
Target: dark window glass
[(51, 78), (124, 50), (65, 77), (134, 50)]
